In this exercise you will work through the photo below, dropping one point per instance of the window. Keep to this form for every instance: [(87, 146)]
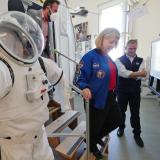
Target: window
[(112, 15)]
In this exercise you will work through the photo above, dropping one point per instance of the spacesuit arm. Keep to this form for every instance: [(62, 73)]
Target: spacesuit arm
[(62, 94), (5, 80), (62, 89)]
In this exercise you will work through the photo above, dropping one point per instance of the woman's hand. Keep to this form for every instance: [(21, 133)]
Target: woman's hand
[(87, 93)]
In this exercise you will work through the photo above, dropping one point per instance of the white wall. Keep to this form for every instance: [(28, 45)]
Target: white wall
[(92, 18), (147, 28), (3, 6)]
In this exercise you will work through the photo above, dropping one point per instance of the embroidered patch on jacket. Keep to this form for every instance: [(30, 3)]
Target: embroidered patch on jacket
[(96, 65), (81, 64), (100, 74), (137, 63)]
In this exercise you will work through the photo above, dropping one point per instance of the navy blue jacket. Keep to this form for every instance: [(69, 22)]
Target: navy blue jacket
[(129, 84), (95, 75)]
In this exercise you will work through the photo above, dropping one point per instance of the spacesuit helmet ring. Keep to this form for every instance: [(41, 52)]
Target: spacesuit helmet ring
[(20, 37)]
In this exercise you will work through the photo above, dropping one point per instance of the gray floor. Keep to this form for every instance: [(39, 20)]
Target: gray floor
[(125, 148)]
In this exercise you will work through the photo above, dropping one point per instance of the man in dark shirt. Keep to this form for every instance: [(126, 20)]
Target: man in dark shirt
[(131, 69), (43, 17)]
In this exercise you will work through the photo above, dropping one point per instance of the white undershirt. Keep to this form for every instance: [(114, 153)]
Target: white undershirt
[(122, 71)]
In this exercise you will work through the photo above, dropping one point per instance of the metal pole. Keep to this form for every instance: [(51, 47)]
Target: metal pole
[(67, 135), (87, 122), (87, 129), (65, 56), (54, 39)]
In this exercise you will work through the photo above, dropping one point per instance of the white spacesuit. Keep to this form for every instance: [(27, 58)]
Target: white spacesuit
[(4, 6), (24, 89)]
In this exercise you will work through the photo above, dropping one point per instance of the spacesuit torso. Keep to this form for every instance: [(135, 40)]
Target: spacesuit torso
[(23, 104), (20, 104)]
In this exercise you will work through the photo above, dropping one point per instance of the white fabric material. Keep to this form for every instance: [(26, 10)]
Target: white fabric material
[(53, 71), (62, 89), (31, 146), (65, 40), (3, 6), (123, 72), (23, 120), (53, 17), (20, 118), (62, 94), (17, 114), (5, 80)]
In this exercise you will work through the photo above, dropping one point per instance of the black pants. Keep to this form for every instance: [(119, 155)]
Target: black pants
[(103, 121), (133, 99)]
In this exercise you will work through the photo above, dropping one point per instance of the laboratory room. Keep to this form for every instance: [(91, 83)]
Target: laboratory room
[(79, 80)]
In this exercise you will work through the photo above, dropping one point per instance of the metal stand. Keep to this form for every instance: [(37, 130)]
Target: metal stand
[(87, 130)]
